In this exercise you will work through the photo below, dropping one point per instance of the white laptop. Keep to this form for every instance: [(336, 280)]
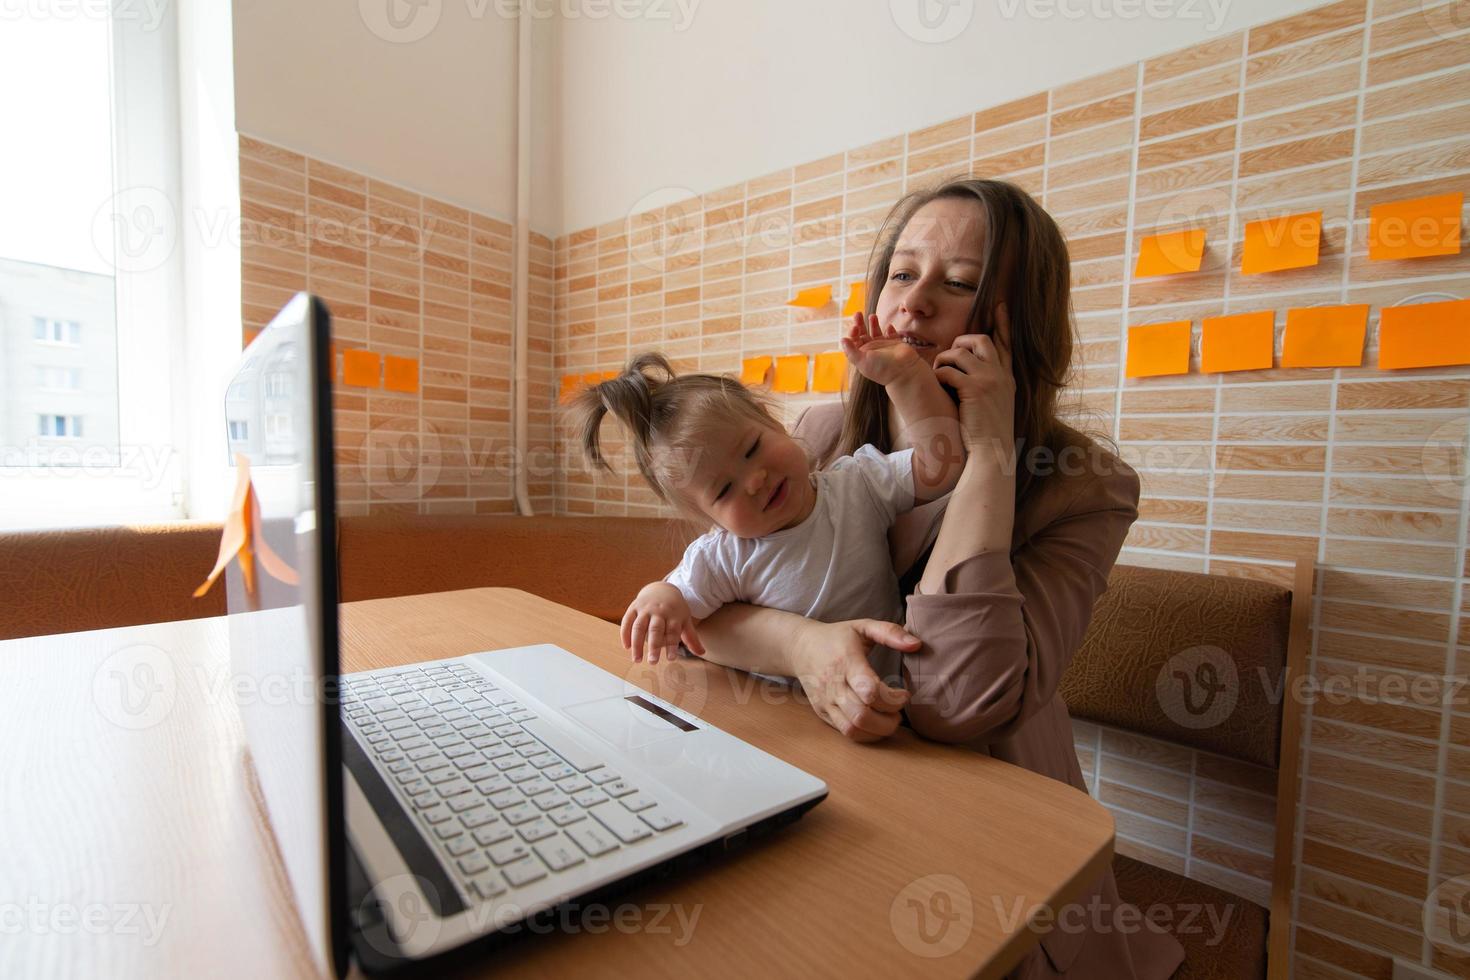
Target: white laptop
[(447, 805)]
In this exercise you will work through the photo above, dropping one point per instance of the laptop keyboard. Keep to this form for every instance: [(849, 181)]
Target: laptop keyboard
[(505, 798)]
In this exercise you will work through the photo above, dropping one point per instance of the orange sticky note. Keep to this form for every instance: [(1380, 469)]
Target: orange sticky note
[(1273, 244), (753, 370), (241, 538), (361, 368), (1158, 348), (790, 374), (857, 295), (1165, 255), (592, 378), (1424, 335), (400, 374), (1417, 228), (1324, 336), (569, 385), (813, 298), (829, 371), (608, 375), (1242, 342)]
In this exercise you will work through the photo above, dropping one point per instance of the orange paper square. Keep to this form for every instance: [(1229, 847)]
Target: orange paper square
[(1415, 229), (813, 298), (608, 375), (400, 374), (1168, 254), (856, 297), (1274, 244), (361, 368), (829, 372), (1424, 335), (790, 374), (753, 370), (569, 385), (1324, 336), (591, 378), (1158, 348), (1242, 342)]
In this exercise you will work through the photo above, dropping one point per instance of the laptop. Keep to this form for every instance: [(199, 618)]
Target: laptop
[(447, 805)]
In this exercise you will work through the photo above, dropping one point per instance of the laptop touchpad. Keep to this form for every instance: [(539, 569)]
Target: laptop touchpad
[(624, 722)]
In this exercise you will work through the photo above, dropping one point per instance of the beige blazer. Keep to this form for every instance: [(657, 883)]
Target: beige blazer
[(997, 638)]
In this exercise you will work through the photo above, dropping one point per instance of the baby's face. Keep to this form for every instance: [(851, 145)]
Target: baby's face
[(752, 480)]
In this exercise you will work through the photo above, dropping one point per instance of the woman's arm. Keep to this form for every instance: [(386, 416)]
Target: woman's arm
[(829, 659), (999, 629)]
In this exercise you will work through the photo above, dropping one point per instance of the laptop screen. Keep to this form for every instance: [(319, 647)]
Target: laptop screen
[(281, 594)]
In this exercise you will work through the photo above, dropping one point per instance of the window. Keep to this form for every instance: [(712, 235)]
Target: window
[(59, 426), (90, 278), (239, 430), (68, 332), (49, 377)]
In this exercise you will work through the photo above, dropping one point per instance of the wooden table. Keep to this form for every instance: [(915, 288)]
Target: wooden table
[(131, 844)]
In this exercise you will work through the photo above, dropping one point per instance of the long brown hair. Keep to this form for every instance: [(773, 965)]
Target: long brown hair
[(668, 418), (1025, 267)]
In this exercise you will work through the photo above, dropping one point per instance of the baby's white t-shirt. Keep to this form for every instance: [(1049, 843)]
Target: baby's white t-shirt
[(835, 565)]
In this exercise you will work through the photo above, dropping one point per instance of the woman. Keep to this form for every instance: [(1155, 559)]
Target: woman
[(975, 276)]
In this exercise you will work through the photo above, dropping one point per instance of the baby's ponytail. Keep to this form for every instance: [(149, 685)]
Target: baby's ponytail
[(630, 398)]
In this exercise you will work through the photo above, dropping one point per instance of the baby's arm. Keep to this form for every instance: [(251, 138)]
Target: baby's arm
[(928, 419), (656, 621)]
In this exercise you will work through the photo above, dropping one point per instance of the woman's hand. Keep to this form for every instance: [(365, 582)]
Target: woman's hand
[(831, 661), (880, 356), (978, 368)]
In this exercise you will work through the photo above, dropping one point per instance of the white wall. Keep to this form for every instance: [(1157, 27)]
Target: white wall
[(426, 100), (745, 87)]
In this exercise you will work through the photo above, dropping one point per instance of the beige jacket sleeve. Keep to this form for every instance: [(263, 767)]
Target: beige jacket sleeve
[(1004, 627), (1002, 630)]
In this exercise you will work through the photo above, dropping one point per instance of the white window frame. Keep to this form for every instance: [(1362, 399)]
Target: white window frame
[(146, 484)]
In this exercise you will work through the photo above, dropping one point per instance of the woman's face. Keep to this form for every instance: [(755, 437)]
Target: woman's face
[(934, 273)]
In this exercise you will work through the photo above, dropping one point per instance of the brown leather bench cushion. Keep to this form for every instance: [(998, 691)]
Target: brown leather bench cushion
[(92, 578), (1214, 948), (594, 564), (62, 581), (1149, 616)]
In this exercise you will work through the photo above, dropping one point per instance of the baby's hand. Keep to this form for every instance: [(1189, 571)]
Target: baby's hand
[(881, 357), (656, 621)]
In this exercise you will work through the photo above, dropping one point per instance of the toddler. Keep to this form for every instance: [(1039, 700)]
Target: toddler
[(813, 543)]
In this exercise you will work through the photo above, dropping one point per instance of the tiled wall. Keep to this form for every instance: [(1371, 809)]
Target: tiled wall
[(409, 276), (1339, 108)]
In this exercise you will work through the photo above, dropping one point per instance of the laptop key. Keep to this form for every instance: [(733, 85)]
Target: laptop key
[(637, 802), (519, 814), (523, 872), (602, 776), (564, 815), (536, 786), (550, 801), (488, 885), (618, 787), (589, 797), (511, 850), (475, 819), (575, 784), (441, 775), (465, 801), (474, 864), (455, 751), (506, 763), (659, 820), (456, 787), (558, 771), (519, 739), (558, 853), (505, 798), (472, 761), (623, 824), (592, 839), (437, 814), (494, 834), (459, 845), (521, 774), (538, 829)]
